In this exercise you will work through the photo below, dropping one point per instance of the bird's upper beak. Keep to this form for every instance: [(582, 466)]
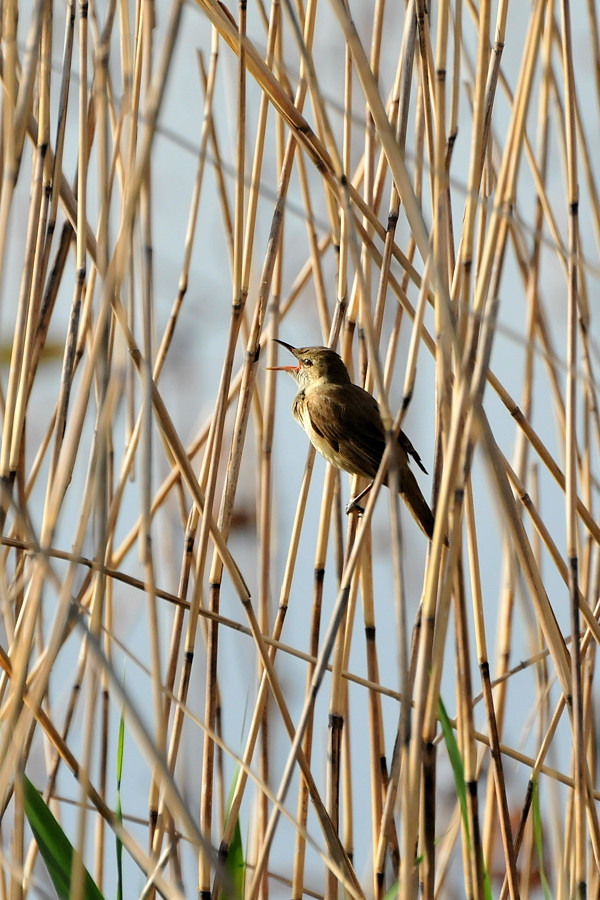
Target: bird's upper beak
[(284, 368)]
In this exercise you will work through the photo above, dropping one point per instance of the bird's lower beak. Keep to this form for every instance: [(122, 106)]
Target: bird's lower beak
[(282, 368)]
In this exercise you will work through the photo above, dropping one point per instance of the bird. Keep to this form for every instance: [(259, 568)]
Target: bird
[(343, 422)]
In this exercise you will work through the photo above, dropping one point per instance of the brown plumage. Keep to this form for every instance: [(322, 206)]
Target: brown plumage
[(344, 424)]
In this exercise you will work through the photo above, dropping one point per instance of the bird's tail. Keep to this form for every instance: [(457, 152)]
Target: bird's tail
[(416, 502)]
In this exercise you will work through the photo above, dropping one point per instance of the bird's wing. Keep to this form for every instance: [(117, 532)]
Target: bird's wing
[(406, 444), (350, 422)]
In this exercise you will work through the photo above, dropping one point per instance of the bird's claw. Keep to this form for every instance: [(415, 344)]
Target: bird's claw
[(353, 506)]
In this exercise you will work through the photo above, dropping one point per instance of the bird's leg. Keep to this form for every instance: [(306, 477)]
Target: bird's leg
[(353, 505)]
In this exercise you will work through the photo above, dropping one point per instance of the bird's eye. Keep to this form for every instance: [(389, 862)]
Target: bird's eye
[(307, 362)]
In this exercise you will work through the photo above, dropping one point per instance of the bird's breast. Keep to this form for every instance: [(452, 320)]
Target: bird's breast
[(301, 414)]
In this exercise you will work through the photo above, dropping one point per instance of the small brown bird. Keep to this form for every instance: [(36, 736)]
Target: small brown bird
[(344, 424)]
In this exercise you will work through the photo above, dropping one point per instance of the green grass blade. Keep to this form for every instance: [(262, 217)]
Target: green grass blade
[(539, 841), (118, 810), (457, 767), (55, 848), (459, 780), (391, 891), (235, 864)]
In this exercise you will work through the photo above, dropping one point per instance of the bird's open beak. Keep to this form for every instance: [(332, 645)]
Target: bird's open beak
[(284, 368)]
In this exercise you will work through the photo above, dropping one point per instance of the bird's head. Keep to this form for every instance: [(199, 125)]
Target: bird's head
[(316, 365)]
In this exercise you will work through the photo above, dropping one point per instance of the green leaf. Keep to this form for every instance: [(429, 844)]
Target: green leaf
[(392, 891), (55, 847), (119, 811), (235, 864), (457, 767), (538, 837), (461, 787)]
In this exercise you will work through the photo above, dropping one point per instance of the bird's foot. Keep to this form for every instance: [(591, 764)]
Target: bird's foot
[(353, 506)]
